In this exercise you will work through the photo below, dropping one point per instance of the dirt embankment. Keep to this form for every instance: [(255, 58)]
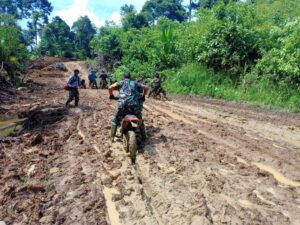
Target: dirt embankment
[(207, 162)]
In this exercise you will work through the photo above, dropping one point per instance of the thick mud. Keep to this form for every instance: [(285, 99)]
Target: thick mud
[(205, 163)]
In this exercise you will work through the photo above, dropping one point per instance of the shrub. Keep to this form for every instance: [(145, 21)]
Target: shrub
[(282, 63)]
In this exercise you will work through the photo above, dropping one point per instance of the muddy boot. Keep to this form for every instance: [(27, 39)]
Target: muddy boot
[(67, 103), (113, 131), (143, 133)]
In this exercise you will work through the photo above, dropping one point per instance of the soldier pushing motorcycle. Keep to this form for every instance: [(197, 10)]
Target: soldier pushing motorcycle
[(156, 89), (130, 102)]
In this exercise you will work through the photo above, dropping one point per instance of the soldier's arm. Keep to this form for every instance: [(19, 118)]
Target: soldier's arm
[(144, 88), (112, 88)]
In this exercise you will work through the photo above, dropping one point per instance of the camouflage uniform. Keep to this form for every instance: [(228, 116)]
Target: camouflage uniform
[(130, 100), (156, 84)]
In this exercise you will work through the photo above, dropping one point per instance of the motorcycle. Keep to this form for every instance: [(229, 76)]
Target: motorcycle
[(103, 84), (130, 129), (83, 85), (159, 94)]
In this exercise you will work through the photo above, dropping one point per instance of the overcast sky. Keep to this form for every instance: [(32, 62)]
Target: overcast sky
[(97, 10)]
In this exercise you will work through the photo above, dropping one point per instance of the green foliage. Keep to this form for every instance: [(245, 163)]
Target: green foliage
[(229, 48), (84, 33), (235, 50), (24, 9), (106, 43), (166, 51), (57, 39), (12, 51), (38, 18), (282, 63), (194, 79), (36, 11), (229, 45), (172, 9), (132, 19), (13, 41), (118, 74)]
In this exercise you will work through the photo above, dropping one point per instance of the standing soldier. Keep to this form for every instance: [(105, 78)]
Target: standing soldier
[(92, 79), (73, 84), (103, 82)]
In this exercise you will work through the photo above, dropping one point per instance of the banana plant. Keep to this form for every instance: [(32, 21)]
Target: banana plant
[(167, 39), (167, 46)]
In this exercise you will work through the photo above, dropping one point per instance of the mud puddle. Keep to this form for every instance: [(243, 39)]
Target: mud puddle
[(111, 206), (277, 175), (9, 125)]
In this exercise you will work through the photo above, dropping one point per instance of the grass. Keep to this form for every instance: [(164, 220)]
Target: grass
[(195, 79)]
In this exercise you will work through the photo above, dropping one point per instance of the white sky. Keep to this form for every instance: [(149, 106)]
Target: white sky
[(97, 10)]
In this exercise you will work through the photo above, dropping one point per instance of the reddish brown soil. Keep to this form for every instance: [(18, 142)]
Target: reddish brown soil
[(207, 162)]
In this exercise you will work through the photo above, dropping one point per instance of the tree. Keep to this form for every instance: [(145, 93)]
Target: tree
[(107, 44), (127, 9), (57, 39), (192, 5), (40, 10), (23, 9), (12, 51), (37, 11), (84, 32), (172, 9), (130, 18), (210, 3)]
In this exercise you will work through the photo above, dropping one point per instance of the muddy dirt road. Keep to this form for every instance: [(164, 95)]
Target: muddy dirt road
[(207, 162)]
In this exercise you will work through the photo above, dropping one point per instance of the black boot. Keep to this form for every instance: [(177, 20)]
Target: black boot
[(113, 131)]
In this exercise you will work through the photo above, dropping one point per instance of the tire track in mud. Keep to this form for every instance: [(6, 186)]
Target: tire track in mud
[(240, 141), (124, 194), (229, 166), (121, 188), (286, 136), (201, 172)]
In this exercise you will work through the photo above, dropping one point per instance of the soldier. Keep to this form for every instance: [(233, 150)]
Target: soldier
[(132, 96), (73, 83)]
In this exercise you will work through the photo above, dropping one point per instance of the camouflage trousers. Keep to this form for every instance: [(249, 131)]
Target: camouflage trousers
[(73, 94), (128, 110)]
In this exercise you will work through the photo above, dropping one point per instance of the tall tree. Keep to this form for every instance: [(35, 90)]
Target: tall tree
[(23, 9), (40, 10), (57, 39), (37, 11), (210, 3), (127, 9), (132, 19), (12, 51), (172, 9), (192, 5), (84, 32)]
